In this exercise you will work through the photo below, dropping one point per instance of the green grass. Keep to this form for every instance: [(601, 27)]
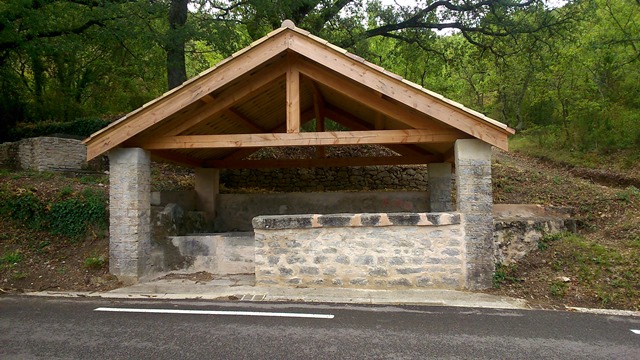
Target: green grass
[(504, 274), (11, 258), (611, 273), (94, 262)]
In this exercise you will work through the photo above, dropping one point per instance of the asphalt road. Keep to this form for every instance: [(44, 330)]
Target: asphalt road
[(55, 328)]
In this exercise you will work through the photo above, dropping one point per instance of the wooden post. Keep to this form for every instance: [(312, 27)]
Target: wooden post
[(293, 98)]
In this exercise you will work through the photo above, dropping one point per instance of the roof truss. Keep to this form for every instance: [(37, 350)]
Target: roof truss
[(418, 125)]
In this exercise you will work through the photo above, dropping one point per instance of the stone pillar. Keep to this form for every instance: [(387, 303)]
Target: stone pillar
[(439, 187), (207, 184), (475, 201), (129, 209)]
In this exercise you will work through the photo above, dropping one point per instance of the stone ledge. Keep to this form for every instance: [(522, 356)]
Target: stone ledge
[(307, 221)]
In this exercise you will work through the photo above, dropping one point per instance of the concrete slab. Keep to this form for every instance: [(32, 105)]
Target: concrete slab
[(241, 289)]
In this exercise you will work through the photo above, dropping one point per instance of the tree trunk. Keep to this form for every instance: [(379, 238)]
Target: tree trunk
[(176, 67)]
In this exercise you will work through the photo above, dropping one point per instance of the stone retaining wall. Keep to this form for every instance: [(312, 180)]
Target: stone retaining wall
[(514, 238), (378, 251), (44, 154), (235, 211), (328, 179)]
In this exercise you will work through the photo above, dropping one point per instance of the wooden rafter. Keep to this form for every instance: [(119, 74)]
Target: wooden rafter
[(319, 111), (172, 157), (148, 116), (253, 86), (379, 121), (405, 93), (403, 113), (324, 162), (244, 152), (409, 136), (247, 123), (352, 122), (367, 97)]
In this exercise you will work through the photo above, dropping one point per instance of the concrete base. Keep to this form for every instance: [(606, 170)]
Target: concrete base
[(218, 254)]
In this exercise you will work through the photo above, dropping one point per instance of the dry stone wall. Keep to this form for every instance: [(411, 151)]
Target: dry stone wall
[(328, 179), (44, 154), (378, 251)]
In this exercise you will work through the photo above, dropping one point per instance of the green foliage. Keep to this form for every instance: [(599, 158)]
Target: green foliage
[(69, 214), (23, 206), (558, 288), (94, 262), (11, 258), (504, 274), (545, 241), (81, 127), (72, 216), (629, 194)]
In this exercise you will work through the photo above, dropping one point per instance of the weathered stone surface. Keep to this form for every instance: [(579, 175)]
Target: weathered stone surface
[(440, 185), (513, 238), (390, 256), (306, 221), (324, 179), (129, 194), (44, 154), (475, 202), (236, 211)]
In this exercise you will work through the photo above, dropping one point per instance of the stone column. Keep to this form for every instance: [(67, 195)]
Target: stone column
[(439, 187), (130, 211), (475, 201), (207, 184)]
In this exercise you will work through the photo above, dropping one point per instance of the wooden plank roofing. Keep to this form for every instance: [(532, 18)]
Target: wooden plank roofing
[(262, 95)]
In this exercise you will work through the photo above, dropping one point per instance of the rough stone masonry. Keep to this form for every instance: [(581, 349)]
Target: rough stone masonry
[(130, 211), (361, 250)]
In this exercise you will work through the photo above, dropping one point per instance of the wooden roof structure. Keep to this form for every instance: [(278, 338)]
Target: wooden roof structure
[(262, 95)]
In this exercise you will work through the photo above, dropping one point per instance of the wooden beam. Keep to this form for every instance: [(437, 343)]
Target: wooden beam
[(324, 162), (293, 99), (368, 97), (244, 152), (208, 99), (172, 157), (400, 91), (319, 111), (354, 123), (409, 136), (247, 123), (188, 93), (379, 121), (450, 155), (253, 86)]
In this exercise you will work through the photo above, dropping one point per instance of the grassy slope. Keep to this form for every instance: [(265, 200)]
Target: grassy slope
[(599, 267)]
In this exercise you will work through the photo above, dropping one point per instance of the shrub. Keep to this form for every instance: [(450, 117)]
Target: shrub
[(81, 127), (69, 215)]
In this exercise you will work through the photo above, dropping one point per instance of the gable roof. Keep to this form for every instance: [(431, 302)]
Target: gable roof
[(260, 96)]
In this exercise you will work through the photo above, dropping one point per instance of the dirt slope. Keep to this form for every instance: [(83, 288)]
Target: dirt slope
[(600, 267)]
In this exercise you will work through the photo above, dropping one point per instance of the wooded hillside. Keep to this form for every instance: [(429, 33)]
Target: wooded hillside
[(563, 73)]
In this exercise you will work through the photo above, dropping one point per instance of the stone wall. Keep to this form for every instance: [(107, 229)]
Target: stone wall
[(218, 254), (44, 154), (129, 213), (379, 251), (328, 179), (235, 211), (515, 238)]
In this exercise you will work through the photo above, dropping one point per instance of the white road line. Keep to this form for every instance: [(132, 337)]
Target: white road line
[(635, 331), (211, 312)]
